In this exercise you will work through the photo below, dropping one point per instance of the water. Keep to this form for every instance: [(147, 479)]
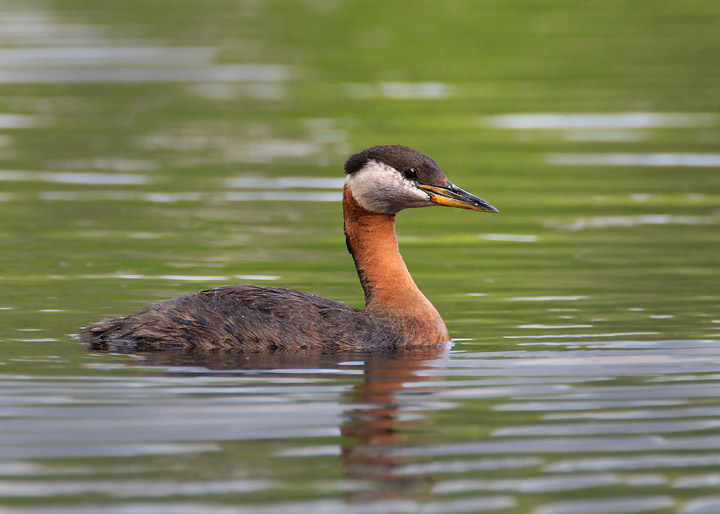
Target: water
[(148, 150)]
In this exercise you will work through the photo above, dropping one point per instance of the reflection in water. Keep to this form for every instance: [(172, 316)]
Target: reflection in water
[(67, 177), (15, 121), (158, 197), (379, 415), (633, 221), (136, 55), (127, 75), (624, 120), (386, 421), (404, 90), (701, 160), (254, 182), (359, 431), (56, 52)]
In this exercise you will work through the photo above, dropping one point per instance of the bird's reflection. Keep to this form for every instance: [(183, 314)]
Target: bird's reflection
[(385, 411), (391, 414)]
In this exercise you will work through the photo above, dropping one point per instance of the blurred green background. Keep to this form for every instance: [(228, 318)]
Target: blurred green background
[(168, 101), (153, 148)]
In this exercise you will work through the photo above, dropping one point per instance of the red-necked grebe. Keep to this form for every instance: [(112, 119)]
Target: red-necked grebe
[(380, 182)]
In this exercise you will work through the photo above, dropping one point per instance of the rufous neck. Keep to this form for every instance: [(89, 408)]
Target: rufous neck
[(384, 277)]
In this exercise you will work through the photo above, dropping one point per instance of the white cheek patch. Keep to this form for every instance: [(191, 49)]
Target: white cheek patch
[(380, 188)]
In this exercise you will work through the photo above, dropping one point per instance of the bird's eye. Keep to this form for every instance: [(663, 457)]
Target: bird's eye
[(410, 173)]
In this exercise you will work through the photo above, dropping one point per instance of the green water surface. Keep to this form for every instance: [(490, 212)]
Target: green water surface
[(145, 152)]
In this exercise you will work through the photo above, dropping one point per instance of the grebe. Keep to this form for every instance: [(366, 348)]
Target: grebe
[(380, 182)]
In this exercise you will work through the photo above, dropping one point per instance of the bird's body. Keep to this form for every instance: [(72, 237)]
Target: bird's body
[(381, 181), (248, 317)]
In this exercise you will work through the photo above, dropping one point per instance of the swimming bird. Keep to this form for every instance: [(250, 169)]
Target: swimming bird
[(380, 182)]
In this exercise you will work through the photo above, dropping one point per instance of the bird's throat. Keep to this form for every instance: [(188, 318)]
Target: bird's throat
[(389, 288)]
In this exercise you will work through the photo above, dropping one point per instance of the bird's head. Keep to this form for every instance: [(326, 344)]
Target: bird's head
[(386, 179)]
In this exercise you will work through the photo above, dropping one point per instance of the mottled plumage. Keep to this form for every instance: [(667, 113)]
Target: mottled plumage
[(249, 317)]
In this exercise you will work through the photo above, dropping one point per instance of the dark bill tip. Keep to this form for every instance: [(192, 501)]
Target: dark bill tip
[(453, 196)]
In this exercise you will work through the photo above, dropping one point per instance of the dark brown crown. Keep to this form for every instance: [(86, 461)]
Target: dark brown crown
[(401, 158)]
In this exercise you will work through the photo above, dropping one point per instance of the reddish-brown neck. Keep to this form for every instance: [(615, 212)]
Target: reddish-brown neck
[(389, 288)]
